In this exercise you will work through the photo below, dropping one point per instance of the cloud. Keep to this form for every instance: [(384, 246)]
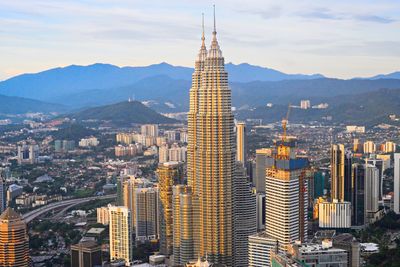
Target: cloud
[(374, 18), (321, 13), (266, 13)]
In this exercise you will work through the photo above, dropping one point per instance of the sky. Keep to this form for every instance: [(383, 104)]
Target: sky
[(337, 38)]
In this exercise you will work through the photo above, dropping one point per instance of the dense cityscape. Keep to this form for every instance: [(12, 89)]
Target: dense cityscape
[(203, 187)]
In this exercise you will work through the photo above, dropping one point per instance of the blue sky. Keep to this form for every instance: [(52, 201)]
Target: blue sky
[(341, 38)]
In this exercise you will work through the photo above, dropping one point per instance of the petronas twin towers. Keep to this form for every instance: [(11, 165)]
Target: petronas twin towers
[(211, 156)]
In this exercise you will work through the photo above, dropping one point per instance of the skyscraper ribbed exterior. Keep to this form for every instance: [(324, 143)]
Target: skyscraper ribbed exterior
[(211, 155), (14, 240)]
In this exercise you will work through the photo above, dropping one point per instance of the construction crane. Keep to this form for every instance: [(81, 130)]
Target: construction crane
[(285, 122)]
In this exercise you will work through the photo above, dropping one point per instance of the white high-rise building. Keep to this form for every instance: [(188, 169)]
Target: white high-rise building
[(120, 234), (397, 183), (335, 214), (163, 153), (260, 246)]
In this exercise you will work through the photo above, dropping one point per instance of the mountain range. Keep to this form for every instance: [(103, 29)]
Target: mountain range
[(165, 88)]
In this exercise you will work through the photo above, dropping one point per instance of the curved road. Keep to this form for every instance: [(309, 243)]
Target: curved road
[(31, 215)]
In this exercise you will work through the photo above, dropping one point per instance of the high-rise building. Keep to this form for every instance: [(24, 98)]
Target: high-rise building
[(103, 215), (120, 234), (335, 214), (378, 163), (183, 246), (263, 160), (371, 195), (285, 205), (14, 240), (341, 173), (86, 254), (260, 247), (357, 201), (397, 183), (260, 214), (129, 187), (241, 140), (163, 153), (287, 194), (149, 130), (211, 155), (389, 147), (169, 174), (244, 216), (177, 153), (319, 184), (369, 147), (147, 221)]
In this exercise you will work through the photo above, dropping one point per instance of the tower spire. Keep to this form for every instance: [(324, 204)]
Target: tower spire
[(215, 26), (203, 38)]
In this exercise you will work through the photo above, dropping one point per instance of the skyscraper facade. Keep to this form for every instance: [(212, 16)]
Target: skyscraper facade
[(14, 240), (371, 196), (211, 155), (120, 234), (337, 171), (147, 214), (287, 195), (241, 140), (169, 174), (183, 245)]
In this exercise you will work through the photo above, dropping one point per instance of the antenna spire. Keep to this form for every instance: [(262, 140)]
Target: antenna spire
[(202, 26), (215, 26)]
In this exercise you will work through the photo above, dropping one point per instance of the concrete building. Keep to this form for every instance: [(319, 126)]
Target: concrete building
[(89, 142), (287, 194), (149, 130), (244, 215), (177, 153), (163, 153), (369, 147), (28, 153), (103, 215), (263, 160), (120, 234), (241, 140), (260, 247), (147, 211), (169, 174), (335, 214), (355, 129), (14, 240), (319, 255), (14, 191), (86, 254), (371, 196), (389, 147), (260, 211)]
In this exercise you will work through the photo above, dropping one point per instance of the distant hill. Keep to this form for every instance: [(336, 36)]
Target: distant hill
[(20, 105), (368, 108), (247, 73), (393, 75), (58, 82), (123, 113)]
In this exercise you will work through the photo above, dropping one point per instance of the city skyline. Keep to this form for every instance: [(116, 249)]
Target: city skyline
[(293, 37)]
